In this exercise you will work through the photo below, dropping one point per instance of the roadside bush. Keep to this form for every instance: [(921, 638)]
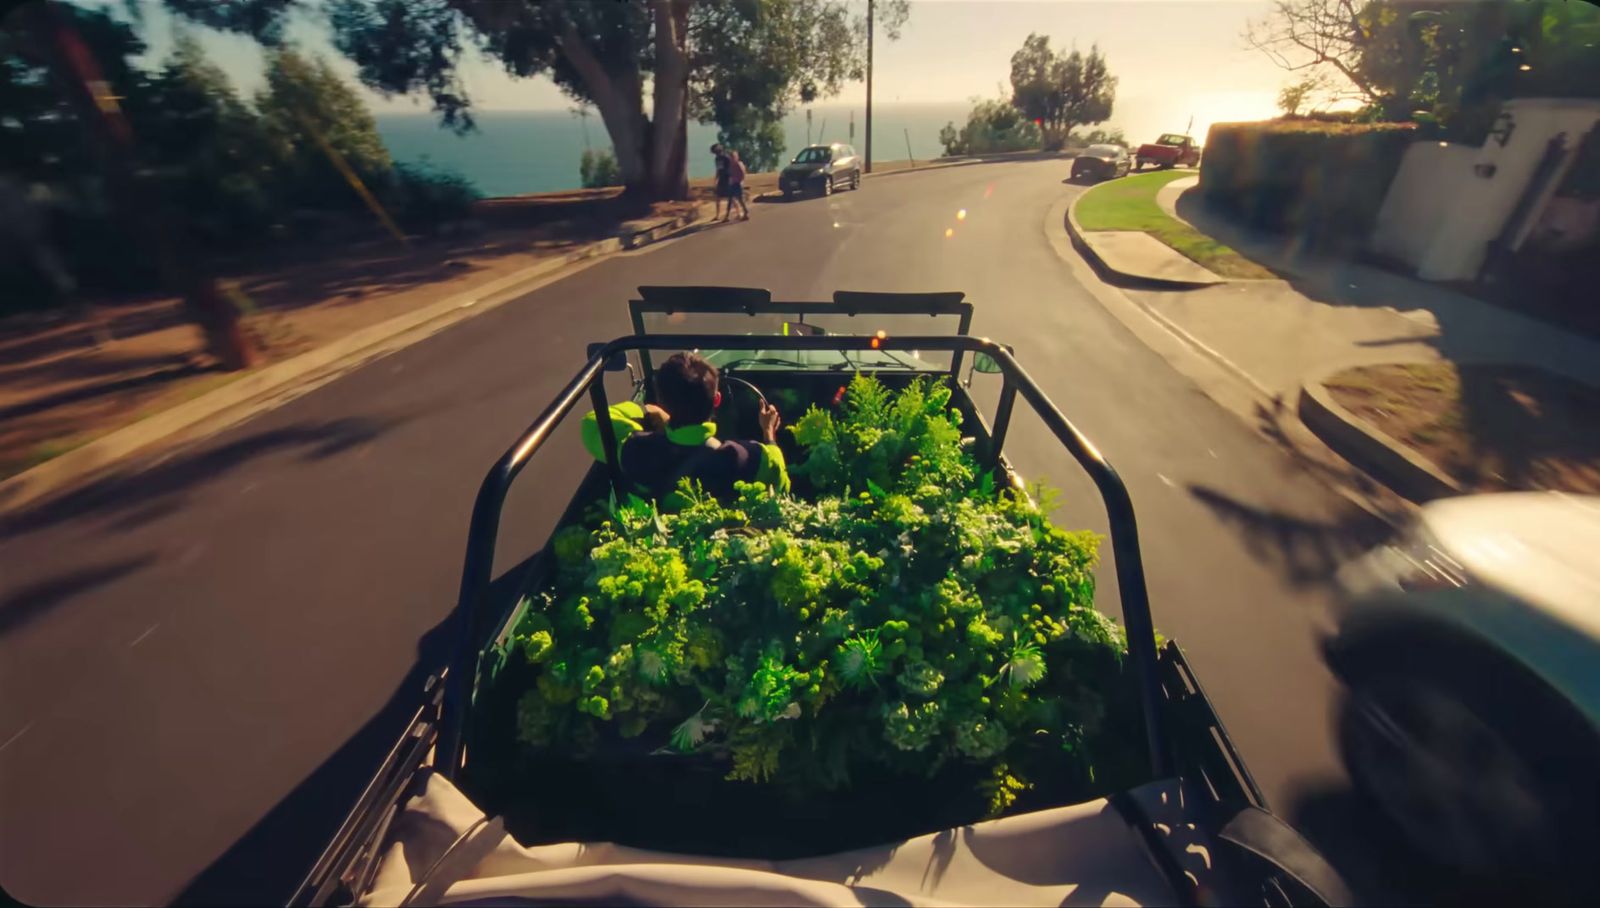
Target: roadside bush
[(992, 126), (1320, 179), (598, 169), (422, 196)]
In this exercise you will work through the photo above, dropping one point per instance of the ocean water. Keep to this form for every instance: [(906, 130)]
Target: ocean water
[(515, 152)]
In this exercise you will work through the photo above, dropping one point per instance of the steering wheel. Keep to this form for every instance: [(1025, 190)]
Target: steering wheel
[(746, 418)]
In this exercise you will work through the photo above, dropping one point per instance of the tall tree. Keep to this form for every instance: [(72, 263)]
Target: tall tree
[(306, 109), (752, 61), (645, 65), (96, 111), (1302, 35), (207, 148), (1061, 90), (1437, 56)]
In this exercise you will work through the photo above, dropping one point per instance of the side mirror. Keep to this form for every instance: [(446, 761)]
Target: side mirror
[(618, 361), (986, 364)]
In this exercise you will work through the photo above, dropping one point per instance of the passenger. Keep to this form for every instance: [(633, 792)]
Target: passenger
[(662, 444)]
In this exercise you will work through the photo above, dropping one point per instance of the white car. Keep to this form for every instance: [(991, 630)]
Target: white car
[(1471, 647)]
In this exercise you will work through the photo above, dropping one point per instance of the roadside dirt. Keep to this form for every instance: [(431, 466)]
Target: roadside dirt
[(1492, 428), (72, 375)]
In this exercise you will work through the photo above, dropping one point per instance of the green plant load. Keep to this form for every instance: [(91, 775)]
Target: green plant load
[(905, 616)]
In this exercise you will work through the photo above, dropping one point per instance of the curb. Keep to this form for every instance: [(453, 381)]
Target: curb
[(1125, 277), (230, 404), (1365, 445), (1261, 391), (1216, 376)]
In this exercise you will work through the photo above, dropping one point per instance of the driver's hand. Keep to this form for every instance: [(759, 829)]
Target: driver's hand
[(655, 418), (769, 423)]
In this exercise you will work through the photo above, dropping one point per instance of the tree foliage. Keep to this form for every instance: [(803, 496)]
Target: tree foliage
[(992, 126), (233, 170), (1061, 90), (740, 64), (1301, 93), (305, 109), (1452, 61), (597, 169)]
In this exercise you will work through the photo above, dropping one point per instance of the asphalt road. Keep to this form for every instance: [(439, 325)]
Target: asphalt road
[(199, 662)]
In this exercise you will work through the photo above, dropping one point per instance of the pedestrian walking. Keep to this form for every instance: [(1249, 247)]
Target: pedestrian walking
[(736, 174), (723, 185)]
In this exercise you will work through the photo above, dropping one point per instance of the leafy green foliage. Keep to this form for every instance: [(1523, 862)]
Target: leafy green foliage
[(598, 168), (916, 620), (422, 197), (992, 126), (234, 171), (1060, 90)]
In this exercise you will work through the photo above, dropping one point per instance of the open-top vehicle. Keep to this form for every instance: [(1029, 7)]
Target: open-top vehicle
[(456, 815), (1170, 150)]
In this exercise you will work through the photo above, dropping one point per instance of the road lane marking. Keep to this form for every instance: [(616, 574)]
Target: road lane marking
[(140, 639), (1163, 478), (13, 739)]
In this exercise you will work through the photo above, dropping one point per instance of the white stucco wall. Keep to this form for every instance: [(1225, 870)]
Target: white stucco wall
[(1441, 211), (1424, 193)]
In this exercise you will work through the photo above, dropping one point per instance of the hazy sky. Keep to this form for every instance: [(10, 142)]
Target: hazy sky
[(1174, 58)]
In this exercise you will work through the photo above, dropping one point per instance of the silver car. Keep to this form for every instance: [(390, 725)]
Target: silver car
[(1101, 162), (821, 169)]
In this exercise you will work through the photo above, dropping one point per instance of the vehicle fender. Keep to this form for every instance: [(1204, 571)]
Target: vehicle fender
[(1553, 665)]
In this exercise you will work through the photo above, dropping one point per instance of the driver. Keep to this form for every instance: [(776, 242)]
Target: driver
[(660, 445)]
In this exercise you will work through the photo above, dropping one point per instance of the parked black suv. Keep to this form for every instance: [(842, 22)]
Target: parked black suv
[(821, 169)]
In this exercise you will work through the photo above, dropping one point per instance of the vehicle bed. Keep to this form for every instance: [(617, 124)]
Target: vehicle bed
[(439, 822)]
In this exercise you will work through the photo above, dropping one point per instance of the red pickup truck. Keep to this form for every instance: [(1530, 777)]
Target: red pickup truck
[(1171, 150)]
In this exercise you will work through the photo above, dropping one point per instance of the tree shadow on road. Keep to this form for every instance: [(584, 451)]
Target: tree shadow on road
[(137, 495), (1306, 551), (32, 601)]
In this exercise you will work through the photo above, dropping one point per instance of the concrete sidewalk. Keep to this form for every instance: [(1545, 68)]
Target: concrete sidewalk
[(1167, 196), (1333, 314), (1138, 255)]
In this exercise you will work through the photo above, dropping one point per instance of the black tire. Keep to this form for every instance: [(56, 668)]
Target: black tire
[(855, 181), (1519, 810), (827, 184)]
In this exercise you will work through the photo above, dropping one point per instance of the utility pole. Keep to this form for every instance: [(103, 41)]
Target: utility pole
[(869, 85)]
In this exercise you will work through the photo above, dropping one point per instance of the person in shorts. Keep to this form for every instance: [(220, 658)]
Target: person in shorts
[(736, 175), (724, 187)]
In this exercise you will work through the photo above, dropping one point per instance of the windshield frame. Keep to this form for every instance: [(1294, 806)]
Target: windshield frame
[(1173, 139)]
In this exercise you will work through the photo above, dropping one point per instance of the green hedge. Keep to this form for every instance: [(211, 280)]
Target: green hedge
[(1322, 180)]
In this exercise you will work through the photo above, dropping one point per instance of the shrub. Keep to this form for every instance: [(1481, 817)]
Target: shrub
[(421, 196), (599, 168), (992, 126), (1322, 179), (910, 616)]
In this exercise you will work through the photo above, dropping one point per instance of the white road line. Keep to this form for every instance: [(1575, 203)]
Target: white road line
[(14, 737), (140, 639), (1163, 478)]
